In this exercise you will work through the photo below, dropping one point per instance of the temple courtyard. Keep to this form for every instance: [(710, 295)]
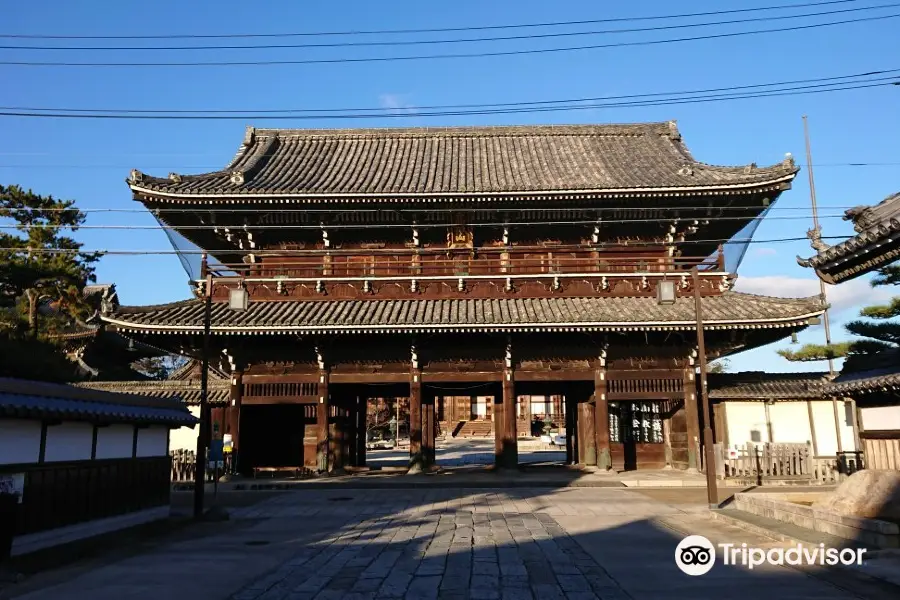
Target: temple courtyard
[(357, 543)]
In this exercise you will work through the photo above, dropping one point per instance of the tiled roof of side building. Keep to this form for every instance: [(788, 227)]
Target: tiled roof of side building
[(218, 390), (731, 309), (462, 160), (34, 399), (884, 375), (757, 385)]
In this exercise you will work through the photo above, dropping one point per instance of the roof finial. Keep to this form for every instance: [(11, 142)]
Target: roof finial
[(136, 176), (249, 136)]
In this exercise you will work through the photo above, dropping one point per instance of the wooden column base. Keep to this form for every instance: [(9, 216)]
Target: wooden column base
[(506, 443)]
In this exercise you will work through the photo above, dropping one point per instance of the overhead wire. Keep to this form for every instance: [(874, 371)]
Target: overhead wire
[(461, 55), (247, 113), (724, 241), (530, 36), (424, 30), (800, 90)]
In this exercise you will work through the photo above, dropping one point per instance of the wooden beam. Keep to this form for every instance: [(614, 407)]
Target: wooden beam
[(573, 375), (451, 377), (245, 400), (369, 377), (323, 409), (286, 378), (601, 420)]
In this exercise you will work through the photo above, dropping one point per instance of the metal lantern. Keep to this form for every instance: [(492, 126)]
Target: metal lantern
[(238, 299), (665, 292)]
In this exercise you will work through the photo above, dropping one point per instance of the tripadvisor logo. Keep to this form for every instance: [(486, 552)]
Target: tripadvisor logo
[(696, 555)]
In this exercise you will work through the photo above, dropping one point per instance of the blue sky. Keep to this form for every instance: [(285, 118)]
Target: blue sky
[(88, 160)]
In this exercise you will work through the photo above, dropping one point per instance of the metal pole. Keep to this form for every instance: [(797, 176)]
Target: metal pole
[(712, 491), (825, 320), (203, 434)]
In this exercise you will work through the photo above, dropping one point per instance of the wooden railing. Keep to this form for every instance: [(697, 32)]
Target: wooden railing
[(773, 461), (369, 266)]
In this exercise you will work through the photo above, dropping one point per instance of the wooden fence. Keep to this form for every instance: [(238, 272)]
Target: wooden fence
[(784, 462)]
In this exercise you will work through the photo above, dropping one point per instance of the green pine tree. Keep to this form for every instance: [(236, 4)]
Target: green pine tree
[(877, 327)]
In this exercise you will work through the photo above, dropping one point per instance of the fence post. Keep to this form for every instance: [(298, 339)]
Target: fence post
[(809, 461)]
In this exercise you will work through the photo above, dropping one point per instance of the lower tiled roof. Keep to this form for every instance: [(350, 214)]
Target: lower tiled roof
[(729, 310), (757, 385), (40, 400), (218, 391)]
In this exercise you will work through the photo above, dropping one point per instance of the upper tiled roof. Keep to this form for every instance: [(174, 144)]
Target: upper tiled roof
[(731, 309), (462, 161), (757, 385), (37, 400), (876, 244)]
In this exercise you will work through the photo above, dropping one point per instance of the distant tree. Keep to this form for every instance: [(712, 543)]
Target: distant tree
[(159, 367), (719, 366), (877, 327), (40, 263)]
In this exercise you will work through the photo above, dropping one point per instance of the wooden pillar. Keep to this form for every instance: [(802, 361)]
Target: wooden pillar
[(337, 425), (812, 428), (587, 438), (234, 418), (415, 420), (323, 409), (692, 419), (601, 420), (428, 429), (506, 443)]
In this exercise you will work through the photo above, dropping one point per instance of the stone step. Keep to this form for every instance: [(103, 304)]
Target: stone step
[(779, 530)]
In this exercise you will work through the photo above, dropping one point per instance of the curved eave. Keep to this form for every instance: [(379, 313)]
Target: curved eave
[(234, 194), (857, 256), (799, 321)]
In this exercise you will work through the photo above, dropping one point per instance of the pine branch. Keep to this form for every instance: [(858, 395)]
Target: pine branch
[(888, 333), (883, 311), (889, 275), (814, 352)]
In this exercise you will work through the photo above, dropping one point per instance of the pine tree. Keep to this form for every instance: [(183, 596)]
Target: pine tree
[(877, 327), (41, 263)]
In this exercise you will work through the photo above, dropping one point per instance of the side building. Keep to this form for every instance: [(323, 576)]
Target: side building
[(465, 269)]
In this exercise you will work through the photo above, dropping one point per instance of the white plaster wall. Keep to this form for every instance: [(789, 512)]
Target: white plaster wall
[(69, 441), (152, 441), (823, 416), (790, 422), (20, 441), (115, 441), (744, 418), (185, 438), (878, 418)]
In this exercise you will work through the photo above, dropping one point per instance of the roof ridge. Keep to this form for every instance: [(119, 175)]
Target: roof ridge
[(474, 130)]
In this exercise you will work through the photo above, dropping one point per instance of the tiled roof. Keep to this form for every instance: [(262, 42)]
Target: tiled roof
[(885, 376), (876, 244), (757, 385), (730, 310), (462, 160), (218, 390), (38, 400)]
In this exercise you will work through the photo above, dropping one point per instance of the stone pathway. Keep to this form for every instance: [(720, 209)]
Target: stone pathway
[(567, 543)]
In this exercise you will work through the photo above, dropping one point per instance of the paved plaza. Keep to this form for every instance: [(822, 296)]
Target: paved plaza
[(569, 543), (454, 452)]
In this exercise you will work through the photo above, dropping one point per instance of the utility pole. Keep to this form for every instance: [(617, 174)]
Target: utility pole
[(818, 232), (712, 491)]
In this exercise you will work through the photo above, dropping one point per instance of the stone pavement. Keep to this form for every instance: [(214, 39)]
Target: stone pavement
[(453, 452), (447, 543)]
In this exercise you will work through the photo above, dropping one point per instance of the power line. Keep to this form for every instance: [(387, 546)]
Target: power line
[(507, 38), (370, 59), (414, 31), (795, 91), (723, 241), (459, 106)]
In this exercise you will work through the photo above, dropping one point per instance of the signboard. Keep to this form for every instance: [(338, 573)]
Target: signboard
[(13, 483), (227, 444)]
